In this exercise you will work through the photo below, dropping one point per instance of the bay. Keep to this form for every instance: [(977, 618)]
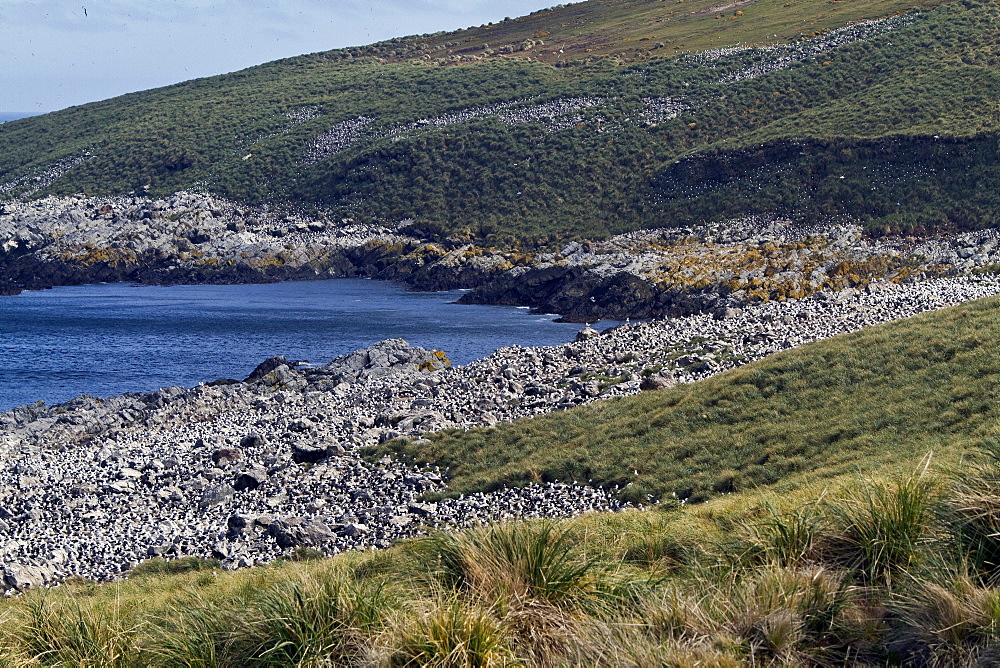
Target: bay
[(105, 340), (6, 116)]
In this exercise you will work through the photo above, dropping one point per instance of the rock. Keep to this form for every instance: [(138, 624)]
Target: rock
[(216, 494), (302, 425), (222, 550), (253, 441), (354, 530), (266, 367), (170, 493), (423, 509), (586, 334), (728, 313), (299, 532), (22, 576), (238, 523), (250, 480), (225, 456), (303, 453), (657, 381)]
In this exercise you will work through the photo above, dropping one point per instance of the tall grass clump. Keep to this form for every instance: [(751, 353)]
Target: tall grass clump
[(453, 633), (59, 632), (534, 579), (515, 562), (971, 511), (196, 631), (950, 619), (330, 618), (880, 527), (791, 538)]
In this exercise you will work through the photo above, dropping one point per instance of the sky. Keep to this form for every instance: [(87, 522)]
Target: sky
[(60, 53)]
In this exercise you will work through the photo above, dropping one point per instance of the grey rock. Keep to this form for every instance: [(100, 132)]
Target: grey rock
[(423, 509), (301, 425), (657, 381), (299, 532), (309, 453), (250, 480), (253, 441), (216, 494), (266, 367), (22, 576), (354, 530)]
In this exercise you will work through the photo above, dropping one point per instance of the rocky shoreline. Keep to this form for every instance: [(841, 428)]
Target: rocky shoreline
[(193, 238), (246, 471)]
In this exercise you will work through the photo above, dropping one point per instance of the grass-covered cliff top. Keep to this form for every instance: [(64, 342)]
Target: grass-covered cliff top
[(892, 120), (863, 531)]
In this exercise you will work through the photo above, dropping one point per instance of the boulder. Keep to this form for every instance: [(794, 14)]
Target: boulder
[(299, 532), (216, 494), (422, 509), (224, 456), (657, 381), (301, 426), (308, 453), (238, 523), (253, 441), (249, 480), (23, 576), (266, 367), (354, 530)]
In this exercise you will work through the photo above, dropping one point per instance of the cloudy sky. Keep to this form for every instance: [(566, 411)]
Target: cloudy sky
[(59, 53)]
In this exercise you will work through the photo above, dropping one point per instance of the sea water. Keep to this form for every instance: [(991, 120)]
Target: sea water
[(105, 340)]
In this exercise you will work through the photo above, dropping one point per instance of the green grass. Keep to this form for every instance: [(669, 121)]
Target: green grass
[(878, 397), (867, 111)]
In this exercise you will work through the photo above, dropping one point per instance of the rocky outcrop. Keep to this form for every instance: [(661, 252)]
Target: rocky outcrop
[(187, 238), (190, 238)]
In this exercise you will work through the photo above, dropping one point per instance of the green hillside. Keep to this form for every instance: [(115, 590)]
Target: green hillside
[(632, 125), (875, 398)]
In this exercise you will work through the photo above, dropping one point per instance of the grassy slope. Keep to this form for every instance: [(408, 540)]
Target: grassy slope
[(633, 30), (611, 173), (874, 398)]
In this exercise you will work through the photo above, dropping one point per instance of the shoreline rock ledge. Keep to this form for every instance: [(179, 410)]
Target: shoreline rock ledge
[(195, 239)]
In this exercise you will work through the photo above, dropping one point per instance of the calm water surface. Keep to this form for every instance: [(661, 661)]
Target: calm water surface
[(109, 339)]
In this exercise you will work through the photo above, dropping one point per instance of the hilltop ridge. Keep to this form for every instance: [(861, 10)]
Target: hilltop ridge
[(898, 99)]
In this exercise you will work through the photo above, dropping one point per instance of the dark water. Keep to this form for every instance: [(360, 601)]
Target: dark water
[(109, 339)]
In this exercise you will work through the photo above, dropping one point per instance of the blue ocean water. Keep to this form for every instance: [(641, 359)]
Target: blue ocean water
[(14, 115), (105, 340)]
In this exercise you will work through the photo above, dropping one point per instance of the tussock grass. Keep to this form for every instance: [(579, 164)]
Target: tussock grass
[(515, 563), (453, 634)]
